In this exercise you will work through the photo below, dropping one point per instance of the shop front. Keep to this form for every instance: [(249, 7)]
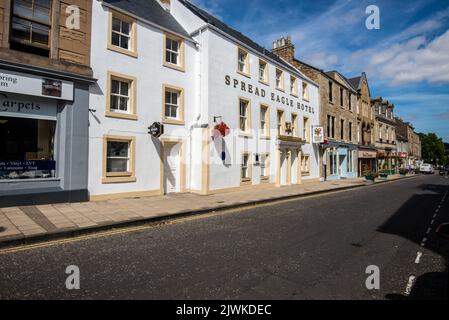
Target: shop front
[(367, 161), (340, 160), (43, 125)]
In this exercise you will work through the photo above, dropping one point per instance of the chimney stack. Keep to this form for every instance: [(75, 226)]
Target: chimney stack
[(284, 48)]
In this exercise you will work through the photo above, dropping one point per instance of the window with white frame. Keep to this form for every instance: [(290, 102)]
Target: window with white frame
[(293, 86), (121, 33), (243, 61), (120, 96), (264, 167), (245, 169), (333, 161), (264, 121), (294, 124), (172, 103), (172, 51), (305, 164), (118, 157), (279, 79), (280, 122), (263, 71), (306, 129), (244, 115), (305, 91)]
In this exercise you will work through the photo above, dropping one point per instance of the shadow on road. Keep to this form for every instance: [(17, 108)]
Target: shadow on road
[(411, 222)]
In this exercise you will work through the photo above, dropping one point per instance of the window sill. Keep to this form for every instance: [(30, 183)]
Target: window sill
[(305, 174), (119, 179), (306, 99), (245, 135), (119, 115), (280, 89), (266, 83), (244, 74), (263, 137), (122, 51), (264, 179), (246, 182), (174, 66), (295, 95), (174, 122)]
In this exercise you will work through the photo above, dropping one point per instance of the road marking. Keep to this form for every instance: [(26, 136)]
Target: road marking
[(429, 230), (435, 215), (411, 282), (423, 243), (418, 257), (433, 221)]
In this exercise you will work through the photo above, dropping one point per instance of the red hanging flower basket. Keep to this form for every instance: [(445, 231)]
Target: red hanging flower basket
[(220, 130)]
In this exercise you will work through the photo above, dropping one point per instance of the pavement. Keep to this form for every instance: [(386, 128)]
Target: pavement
[(43, 222), (316, 247)]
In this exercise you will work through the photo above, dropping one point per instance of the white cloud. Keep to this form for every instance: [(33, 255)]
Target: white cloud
[(416, 60)]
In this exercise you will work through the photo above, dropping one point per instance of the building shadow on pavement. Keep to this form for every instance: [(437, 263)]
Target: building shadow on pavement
[(411, 222)]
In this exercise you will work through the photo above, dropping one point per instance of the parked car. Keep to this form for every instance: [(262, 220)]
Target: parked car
[(426, 168)]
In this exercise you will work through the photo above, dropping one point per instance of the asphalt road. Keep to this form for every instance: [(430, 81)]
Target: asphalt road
[(312, 248)]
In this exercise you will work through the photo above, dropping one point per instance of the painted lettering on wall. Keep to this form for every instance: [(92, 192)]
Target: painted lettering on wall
[(260, 92)]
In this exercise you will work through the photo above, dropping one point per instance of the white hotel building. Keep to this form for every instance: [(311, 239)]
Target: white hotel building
[(169, 62)]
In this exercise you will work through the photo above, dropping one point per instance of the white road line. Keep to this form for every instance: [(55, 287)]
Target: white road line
[(418, 257), (411, 282), (435, 215), (429, 230), (423, 243), (432, 222)]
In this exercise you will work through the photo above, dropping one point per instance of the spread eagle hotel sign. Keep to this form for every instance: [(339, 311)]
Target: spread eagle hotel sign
[(15, 82)]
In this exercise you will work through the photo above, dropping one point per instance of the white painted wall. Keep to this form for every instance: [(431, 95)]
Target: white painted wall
[(151, 74)]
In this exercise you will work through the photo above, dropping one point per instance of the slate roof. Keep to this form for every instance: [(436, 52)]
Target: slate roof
[(152, 11), (210, 19), (355, 82)]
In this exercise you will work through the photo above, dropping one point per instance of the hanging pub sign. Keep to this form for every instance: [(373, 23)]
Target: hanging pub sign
[(16, 82), (317, 134), (156, 129)]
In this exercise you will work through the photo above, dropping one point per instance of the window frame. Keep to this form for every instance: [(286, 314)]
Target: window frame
[(247, 70), (266, 164), (305, 91), (294, 86), (248, 128), (264, 134), (181, 54), (306, 129), (181, 115), (266, 77), (132, 51), (132, 114), (30, 43), (119, 177), (281, 80), (246, 180), (305, 164), (280, 127), (295, 131)]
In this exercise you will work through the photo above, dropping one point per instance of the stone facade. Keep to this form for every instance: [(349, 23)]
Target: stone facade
[(69, 50), (406, 130), (338, 101), (385, 134)]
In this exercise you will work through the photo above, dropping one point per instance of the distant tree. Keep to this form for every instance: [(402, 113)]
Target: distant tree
[(433, 149)]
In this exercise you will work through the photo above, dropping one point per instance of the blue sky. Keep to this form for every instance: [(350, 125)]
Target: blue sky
[(407, 60)]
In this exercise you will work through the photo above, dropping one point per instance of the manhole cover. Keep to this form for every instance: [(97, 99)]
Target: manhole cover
[(2, 229)]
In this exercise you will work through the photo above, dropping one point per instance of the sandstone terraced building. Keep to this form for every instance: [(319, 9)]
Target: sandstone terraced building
[(45, 77)]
